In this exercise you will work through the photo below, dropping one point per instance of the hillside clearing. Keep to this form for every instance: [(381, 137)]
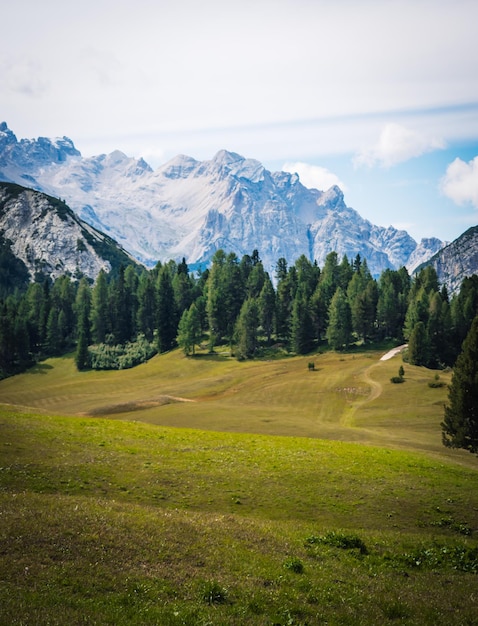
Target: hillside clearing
[(348, 397), (215, 521)]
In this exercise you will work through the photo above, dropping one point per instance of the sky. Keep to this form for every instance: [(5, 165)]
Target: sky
[(377, 96)]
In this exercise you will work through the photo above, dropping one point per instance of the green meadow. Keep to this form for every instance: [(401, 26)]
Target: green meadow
[(205, 491)]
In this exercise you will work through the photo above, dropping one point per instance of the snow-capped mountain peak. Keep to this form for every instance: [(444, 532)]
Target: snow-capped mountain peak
[(189, 208)]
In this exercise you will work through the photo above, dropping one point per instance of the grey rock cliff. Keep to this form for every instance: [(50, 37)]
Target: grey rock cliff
[(49, 238), (458, 260)]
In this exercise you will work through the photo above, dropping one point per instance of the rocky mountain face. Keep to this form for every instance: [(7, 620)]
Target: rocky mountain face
[(457, 260), (188, 208), (51, 239)]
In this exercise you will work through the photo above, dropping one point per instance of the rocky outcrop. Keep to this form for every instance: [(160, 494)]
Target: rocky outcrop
[(457, 261), (51, 239)]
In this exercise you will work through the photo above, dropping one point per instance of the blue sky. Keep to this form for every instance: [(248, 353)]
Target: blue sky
[(378, 96)]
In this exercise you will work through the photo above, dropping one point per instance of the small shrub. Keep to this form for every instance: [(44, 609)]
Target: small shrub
[(339, 540), (436, 383), (461, 558), (213, 593), (110, 357), (397, 379), (448, 522), (294, 565)]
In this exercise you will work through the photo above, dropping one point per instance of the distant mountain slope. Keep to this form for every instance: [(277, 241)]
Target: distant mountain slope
[(457, 260), (191, 208), (49, 238)]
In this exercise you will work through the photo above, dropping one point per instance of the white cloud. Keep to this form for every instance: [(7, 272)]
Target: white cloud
[(23, 76), (397, 144), (314, 176), (460, 182)]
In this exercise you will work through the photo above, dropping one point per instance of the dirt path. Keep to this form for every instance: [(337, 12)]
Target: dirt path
[(393, 352), (348, 415), (375, 387)]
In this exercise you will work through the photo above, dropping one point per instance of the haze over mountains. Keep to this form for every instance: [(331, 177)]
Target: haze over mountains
[(188, 208)]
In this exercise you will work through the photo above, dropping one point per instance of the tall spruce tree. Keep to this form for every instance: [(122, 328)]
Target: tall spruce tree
[(267, 307), (82, 307), (225, 295), (283, 300), (302, 329), (339, 330), (419, 345), (460, 425), (189, 330), (100, 311), (146, 305), (166, 311), (389, 321), (246, 329)]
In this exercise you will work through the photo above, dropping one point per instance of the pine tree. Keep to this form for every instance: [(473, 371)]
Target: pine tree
[(255, 280), (286, 288), (166, 311), (118, 299), (146, 306), (388, 309), (82, 355), (302, 331), (216, 297), (460, 425), (345, 272), (189, 330), (339, 330), (60, 331), (131, 282), (267, 307), (282, 312), (83, 309), (246, 329), (234, 293), (100, 314), (183, 286), (7, 340), (307, 275), (52, 335), (419, 345), (83, 306), (37, 303)]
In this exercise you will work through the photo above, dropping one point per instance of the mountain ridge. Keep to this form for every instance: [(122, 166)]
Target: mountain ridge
[(457, 260), (189, 208), (49, 238)]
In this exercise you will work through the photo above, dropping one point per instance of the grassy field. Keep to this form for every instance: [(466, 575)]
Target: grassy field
[(220, 492)]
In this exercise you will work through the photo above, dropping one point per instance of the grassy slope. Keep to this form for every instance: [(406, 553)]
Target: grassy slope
[(347, 398), (111, 522)]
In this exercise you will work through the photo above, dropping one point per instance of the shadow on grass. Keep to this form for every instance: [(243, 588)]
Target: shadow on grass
[(40, 368), (210, 356)]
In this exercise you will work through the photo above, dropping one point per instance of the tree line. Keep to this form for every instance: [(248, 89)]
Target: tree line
[(124, 318)]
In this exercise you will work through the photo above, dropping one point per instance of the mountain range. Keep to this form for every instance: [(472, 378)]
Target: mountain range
[(189, 208)]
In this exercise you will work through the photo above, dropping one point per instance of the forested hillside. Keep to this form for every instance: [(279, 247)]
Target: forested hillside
[(124, 318)]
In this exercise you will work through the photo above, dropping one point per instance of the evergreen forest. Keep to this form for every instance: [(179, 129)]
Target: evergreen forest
[(124, 318)]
